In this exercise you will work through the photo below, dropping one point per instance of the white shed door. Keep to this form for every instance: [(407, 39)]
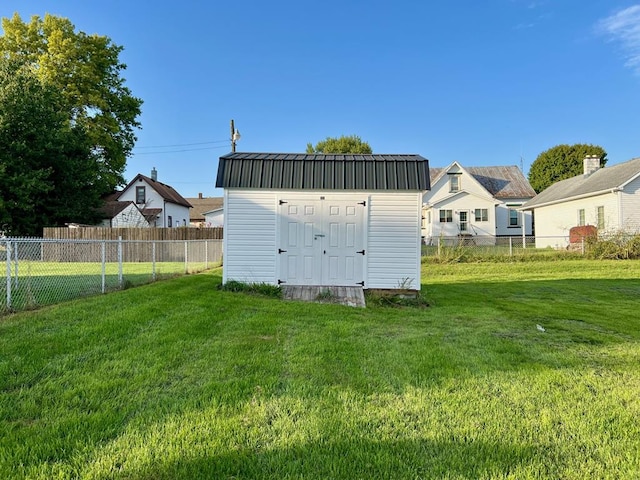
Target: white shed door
[(321, 242)]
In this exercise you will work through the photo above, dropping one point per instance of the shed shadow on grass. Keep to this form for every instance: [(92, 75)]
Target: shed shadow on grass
[(361, 458)]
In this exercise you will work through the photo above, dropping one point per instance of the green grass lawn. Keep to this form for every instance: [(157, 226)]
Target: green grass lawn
[(180, 380)]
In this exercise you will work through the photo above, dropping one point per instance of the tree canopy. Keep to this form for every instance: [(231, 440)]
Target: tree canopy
[(87, 72), (343, 144), (561, 162), (46, 162)]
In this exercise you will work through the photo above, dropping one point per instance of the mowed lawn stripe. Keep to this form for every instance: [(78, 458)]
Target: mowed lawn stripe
[(181, 380)]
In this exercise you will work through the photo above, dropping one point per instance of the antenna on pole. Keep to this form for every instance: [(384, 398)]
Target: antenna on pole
[(235, 136)]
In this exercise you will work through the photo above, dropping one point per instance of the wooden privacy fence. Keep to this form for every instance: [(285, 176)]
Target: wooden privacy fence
[(130, 244), (140, 234)]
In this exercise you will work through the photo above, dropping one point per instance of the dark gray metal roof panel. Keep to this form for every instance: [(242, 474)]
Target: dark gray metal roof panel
[(323, 171)]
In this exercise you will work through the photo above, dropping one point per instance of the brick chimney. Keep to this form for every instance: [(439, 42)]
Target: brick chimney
[(200, 196), (591, 163), (154, 174)]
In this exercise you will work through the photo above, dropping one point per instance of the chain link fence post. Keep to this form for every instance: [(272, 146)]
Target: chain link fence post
[(186, 257), (8, 252), (511, 246), (104, 266), (120, 277), (153, 261)]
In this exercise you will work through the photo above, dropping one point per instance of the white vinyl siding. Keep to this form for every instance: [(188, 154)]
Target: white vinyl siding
[(630, 207), (391, 229), (393, 255), (250, 236), (553, 222)]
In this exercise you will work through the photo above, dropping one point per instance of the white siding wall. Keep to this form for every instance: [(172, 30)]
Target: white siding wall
[(502, 218), (392, 236), (250, 236), (215, 218), (468, 203), (129, 217), (393, 250), (630, 200), (553, 222), (179, 215)]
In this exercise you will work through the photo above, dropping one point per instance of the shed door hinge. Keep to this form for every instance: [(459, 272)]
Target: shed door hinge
[(363, 203), (281, 250), (282, 201), (280, 282), (360, 283), (361, 252)]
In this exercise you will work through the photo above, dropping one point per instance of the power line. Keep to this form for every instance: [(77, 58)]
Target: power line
[(134, 154), (183, 144)]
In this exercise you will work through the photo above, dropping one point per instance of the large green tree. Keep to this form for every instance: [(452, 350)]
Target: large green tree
[(343, 144), (46, 161), (562, 162), (88, 73)]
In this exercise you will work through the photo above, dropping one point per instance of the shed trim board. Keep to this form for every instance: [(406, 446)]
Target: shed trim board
[(371, 238)]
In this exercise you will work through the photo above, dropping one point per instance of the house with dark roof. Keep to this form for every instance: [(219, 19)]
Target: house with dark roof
[(160, 203), (607, 198), (323, 219), (117, 214), (477, 204), (206, 211)]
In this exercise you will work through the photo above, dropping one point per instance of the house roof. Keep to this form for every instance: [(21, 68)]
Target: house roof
[(502, 182), (323, 171), (602, 180), (167, 192), (202, 206), (111, 208)]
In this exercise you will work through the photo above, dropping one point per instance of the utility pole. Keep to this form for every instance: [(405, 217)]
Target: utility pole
[(235, 136)]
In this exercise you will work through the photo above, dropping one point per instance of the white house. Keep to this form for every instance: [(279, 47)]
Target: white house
[(607, 198), (160, 203), (477, 204), (311, 219), (214, 218), (122, 215)]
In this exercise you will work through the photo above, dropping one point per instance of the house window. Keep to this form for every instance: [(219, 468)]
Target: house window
[(581, 217), (140, 195), (482, 215), (446, 216), (514, 217), (600, 211), (169, 221), (454, 183)]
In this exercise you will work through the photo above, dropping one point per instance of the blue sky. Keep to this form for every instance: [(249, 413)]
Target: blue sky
[(483, 82)]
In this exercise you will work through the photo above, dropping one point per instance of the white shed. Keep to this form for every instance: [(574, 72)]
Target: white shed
[(323, 219)]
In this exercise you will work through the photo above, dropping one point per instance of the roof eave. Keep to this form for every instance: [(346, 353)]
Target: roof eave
[(570, 199)]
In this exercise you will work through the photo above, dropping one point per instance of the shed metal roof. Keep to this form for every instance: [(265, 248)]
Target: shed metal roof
[(323, 171)]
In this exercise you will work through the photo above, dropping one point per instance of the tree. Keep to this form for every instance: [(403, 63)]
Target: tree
[(87, 71), (343, 144), (561, 162), (46, 161)]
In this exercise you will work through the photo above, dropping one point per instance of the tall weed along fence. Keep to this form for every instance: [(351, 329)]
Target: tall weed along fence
[(46, 271)]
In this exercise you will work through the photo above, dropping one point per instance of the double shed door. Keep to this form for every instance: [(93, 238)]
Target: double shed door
[(322, 241)]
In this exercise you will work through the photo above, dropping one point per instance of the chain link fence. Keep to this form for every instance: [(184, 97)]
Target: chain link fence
[(41, 272), (445, 248)]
